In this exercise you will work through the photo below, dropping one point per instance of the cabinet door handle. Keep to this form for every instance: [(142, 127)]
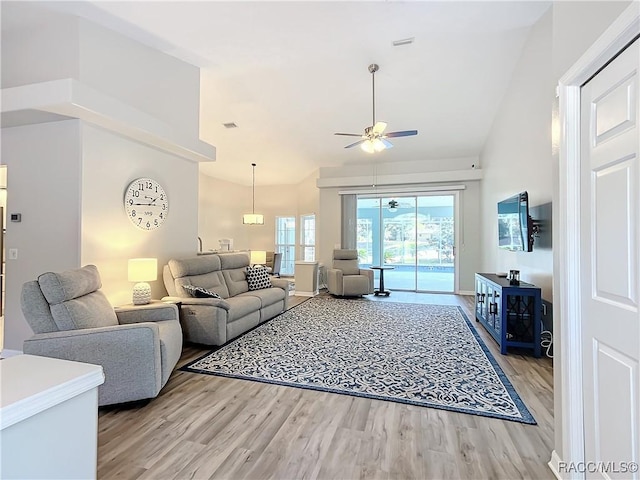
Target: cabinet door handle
[(493, 308)]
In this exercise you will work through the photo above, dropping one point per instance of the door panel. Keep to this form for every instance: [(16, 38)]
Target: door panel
[(609, 256)]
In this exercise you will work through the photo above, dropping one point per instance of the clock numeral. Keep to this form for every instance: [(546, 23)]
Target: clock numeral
[(131, 201), (139, 220), (133, 213), (161, 215), (155, 222), (135, 193)]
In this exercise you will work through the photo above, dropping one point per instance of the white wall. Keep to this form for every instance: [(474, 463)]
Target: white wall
[(220, 208), (43, 184), (109, 163), (222, 204), (571, 39), (40, 53), (158, 84), (68, 178), (517, 157), (330, 215)]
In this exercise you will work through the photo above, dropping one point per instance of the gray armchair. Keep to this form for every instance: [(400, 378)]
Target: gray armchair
[(137, 347), (346, 278)]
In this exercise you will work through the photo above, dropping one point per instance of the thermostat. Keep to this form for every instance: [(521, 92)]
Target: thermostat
[(16, 217)]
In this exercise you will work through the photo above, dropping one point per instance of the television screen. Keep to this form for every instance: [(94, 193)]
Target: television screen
[(513, 223)]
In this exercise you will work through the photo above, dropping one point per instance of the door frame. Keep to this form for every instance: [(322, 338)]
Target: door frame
[(567, 272)]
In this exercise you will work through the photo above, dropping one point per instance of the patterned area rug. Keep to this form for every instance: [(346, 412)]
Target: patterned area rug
[(426, 355)]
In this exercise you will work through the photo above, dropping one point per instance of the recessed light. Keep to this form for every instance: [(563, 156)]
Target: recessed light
[(404, 41), (230, 125)]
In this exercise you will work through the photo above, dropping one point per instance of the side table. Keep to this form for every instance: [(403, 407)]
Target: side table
[(381, 290)]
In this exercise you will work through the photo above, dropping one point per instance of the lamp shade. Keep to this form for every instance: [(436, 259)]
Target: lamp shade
[(258, 257), (143, 269), (253, 219)]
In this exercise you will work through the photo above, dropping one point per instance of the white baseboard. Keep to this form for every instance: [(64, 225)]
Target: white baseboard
[(299, 293), (6, 353), (466, 292), (554, 465)]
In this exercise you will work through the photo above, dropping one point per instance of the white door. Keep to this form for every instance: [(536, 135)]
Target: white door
[(610, 201)]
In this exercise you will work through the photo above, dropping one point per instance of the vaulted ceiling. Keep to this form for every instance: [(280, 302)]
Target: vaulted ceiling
[(290, 74)]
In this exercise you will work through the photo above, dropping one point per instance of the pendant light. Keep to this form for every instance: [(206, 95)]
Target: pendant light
[(253, 218)]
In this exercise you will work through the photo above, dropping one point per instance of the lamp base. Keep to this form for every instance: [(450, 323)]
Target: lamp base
[(141, 293)]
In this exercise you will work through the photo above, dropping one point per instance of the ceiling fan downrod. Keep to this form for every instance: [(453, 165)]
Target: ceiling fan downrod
[(373, 68)]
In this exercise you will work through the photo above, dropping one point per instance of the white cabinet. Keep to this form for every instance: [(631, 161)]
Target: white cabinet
[(48, 418), (306, 278)]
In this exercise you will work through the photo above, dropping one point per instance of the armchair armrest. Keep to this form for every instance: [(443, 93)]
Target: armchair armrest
[(368, 272), (152, 312), (334, 281), (127, 377), (214, 302)]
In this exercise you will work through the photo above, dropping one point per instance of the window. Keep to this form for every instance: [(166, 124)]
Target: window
[(286, 243), (308, 237)]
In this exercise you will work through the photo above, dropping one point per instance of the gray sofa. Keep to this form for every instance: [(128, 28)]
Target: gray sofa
[(137, 347), (213, 321)]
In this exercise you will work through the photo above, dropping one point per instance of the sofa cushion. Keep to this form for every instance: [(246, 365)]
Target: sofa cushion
[(212, 281), (200, 292), (348, 267), (236, 281), (257, 278), (194, 265), (59, 287), (234, 260), (242, 305), (267, 296), (75, 300), (89, 311)]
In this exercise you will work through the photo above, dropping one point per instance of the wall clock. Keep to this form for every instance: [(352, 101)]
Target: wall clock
[(146, 203)]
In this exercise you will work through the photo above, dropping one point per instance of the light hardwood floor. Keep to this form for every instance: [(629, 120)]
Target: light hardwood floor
[(203, 426)]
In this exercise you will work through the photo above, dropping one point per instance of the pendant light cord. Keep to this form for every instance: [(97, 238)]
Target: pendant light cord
[(253, 190)]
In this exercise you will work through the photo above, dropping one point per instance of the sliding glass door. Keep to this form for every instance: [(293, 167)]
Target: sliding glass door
[(413, 234)]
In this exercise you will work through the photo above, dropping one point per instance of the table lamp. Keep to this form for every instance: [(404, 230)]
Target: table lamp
[(142, 270), (258, 257)]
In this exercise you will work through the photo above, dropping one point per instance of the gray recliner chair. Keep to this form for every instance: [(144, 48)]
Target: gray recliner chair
[(346, 278), (72, 319)]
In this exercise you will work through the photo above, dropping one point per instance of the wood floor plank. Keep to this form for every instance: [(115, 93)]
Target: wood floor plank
[(203, 426)]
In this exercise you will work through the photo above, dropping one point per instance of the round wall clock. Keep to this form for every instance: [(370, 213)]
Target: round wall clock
[(146, 203)]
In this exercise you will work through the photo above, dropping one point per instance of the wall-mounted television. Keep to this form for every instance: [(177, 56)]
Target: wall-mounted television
[(515, 227)]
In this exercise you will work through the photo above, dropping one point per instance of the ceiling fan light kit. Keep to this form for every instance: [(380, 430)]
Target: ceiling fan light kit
[(374, 139), (253, 218)]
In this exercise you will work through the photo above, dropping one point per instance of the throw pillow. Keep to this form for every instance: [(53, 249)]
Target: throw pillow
[(200, 292), (258, 278)]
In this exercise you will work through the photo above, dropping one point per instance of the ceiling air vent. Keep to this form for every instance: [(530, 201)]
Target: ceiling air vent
[(230, 125)]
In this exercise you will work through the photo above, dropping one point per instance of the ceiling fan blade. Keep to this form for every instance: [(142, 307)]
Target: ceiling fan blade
[(359, 142), (379, 127), (349, 134), (387, 143), (403, 133)]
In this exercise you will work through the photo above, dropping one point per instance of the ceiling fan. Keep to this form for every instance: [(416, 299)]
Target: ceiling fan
[(374, 139)]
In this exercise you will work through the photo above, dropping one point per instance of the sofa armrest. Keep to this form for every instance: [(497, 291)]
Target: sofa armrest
[(128, 354), (281, 283), (152, 312), (214, 302)]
